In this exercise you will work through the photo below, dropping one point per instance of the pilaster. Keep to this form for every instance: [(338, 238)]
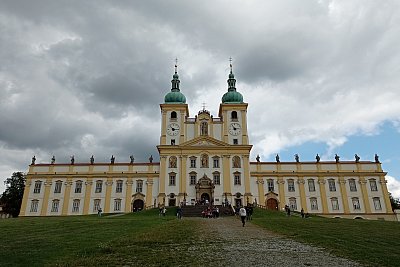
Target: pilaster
[(88, 193), (163, 167), (108, 185), (47, 186), (67, 194), (226, 174), (246, 176), (149, 192), (260, 187), (24, 203), (128, 196), (322, 189), (385, 192), (281, 188), (301, 182), (343, 192)]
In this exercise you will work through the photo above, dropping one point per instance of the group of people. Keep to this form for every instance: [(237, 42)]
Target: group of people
[(245, 213), (210, 212)]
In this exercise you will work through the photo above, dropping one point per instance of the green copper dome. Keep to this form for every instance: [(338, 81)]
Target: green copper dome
[(175, 96), (232, 96)]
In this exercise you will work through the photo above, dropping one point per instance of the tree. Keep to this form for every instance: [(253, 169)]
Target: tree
[(11, 199), (394, 201)]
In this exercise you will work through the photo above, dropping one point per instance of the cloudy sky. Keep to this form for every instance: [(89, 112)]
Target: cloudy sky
[(87, 77)]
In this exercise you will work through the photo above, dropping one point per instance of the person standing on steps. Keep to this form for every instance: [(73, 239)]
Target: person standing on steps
[(242, 214)]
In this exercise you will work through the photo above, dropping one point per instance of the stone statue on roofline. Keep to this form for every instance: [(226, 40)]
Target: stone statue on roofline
[(376, 158), (151, 159), (34, 160), (72, 160), (258, 158), (277, 158), (132, 158), (92, 159), (112, 159), (318, 158), (337, 158), (53, 160), (296, 158), (357, 158)]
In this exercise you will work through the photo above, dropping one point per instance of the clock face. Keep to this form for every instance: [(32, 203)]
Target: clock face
[(234, 128), (173, 129)]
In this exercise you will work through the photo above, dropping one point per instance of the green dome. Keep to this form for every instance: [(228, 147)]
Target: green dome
[(232, 97), (175, 97)]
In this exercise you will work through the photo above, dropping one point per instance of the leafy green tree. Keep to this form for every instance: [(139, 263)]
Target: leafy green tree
[(11, 199), (394, 201)]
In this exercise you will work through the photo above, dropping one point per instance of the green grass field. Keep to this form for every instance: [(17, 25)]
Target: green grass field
[(375, 243), (145, 239)]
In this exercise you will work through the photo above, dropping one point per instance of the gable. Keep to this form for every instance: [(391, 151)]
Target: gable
[(204, 141)]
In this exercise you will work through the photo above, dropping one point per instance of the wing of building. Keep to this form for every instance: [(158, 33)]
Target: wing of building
[(206, 159)]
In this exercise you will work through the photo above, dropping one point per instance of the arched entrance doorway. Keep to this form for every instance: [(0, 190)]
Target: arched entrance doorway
[(272, 204), (272, 201), (137, 205), (205, 190)]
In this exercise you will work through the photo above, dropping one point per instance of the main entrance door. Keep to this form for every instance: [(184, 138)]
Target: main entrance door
[(272, 204), (205, 197), (137, 205)]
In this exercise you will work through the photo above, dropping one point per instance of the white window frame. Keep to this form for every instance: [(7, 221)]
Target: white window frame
[(139, 186), (270, 185), (356, 203), (96, 204), (373, 185), (75, 205), (332, 185), (291, 187), (311, 185), (117, 204), (293, 203), (37, 187), (55, 205), (377, 203), (314, 203), (352, 185), (57, 187), (217, 178), (119, 186), (335, 203), (99, 186), (34, 205), (78, 187)]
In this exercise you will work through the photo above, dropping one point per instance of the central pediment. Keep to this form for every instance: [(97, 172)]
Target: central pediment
[(204, 141)]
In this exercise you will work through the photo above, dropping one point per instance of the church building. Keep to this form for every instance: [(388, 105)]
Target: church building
[(206, 158)]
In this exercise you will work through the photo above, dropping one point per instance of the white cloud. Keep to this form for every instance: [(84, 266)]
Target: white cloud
[(393, 186)]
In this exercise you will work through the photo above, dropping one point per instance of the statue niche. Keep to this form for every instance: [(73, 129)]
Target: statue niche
[(172, 162), (204, 161)]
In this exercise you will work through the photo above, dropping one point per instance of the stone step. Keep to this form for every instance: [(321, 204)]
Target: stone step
[(196, 211)]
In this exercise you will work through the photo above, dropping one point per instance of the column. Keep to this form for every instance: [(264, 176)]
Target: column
[(88, 193), (322, 189), (67, 194), (281, 188), (301, 182), (245, 138), (47, 186), (128, 196), (226, 175), (343, 192), (385, 192), (24, 203), (247, 177), (149, 192), (261, 194), (163, 174), (107, 205)]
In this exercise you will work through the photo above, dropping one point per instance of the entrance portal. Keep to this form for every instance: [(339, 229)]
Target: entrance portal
[(137, 205), (238, 202), (272, 204), (205, 197)]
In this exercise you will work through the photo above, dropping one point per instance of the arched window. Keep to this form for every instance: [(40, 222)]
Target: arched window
[(34, 205), (292, 203), (311, 185), (172, 162), (352, 185), (78, 187), (356, 203), (55, 204), (99, 186), (173, 115), (234, 116), (290, 183), (372, 184), (335, 203), (236, 162), (57, 187), (313, 203)]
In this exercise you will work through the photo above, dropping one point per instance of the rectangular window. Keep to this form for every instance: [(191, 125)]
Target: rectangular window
[(57, 188), (237, 180), (75, 205), (372, 184), (54, 206), (311, 185), (377, 203), (356, 203), (352, 184), (332, 185), (314, 204), (34, 205), (192, 163), (291, 185), (117, 204), (78, 187), (270, 184), (235, 141), (216, 163), (96, 205), (139, 186), (118, 188), (293, 203), (217, 179), (335, 204), (192, 179), (38, 185), (99, 186), (171, 179)]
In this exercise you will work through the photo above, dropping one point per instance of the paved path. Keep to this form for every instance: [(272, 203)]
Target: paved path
[(234, 245)]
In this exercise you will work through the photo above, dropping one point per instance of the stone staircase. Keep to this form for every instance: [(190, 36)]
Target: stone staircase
[(195, 211)]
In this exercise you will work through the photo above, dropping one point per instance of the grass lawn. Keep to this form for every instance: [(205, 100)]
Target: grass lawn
[(376, 243), (94, 241), (145, 239)]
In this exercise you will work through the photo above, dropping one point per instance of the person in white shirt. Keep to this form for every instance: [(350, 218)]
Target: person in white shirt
[(242, 214)]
